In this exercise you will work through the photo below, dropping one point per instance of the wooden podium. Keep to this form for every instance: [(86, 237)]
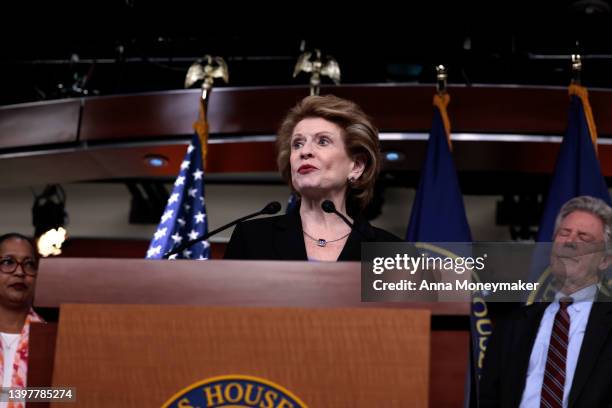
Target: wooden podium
[(135, 332)]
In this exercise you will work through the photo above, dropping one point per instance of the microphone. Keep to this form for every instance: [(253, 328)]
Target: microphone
[(329, 207), (269, 209)]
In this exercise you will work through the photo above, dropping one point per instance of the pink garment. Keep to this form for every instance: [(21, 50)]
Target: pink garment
[(20, 365)]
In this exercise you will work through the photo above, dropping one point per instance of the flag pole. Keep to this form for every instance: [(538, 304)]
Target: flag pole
[(581, 92), (442, 99), (442, 76), (214, 67), (576, 68)]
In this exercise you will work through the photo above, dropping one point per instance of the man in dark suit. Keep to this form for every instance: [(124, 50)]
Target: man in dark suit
[(559, 354)]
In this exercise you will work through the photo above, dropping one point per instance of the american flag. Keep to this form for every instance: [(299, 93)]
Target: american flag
[(184, 218)]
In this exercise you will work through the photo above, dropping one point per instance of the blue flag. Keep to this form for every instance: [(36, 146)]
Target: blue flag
[(184, 218), (577, 171), (438, 215), (292, 202)]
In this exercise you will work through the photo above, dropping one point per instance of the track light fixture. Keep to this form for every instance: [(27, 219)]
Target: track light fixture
[(49, 218)]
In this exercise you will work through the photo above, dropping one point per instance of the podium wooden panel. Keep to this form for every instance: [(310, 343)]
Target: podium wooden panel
[(131, 356), (211, 283), (250, 285)]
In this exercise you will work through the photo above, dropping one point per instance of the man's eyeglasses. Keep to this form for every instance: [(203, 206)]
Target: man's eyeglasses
[(9, 265)]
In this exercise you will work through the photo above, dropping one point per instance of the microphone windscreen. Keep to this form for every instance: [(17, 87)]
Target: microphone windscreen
[(328, 206), (271, 208)]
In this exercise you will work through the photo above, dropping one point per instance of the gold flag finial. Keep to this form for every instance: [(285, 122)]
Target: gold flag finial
[(215, 67), (441, 100), (576, 68), (441, 75), (317, 68)]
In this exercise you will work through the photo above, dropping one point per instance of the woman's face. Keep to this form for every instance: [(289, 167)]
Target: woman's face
[(320, 166), (17, 288)]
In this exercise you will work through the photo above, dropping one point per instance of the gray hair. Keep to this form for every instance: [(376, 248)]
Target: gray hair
[(592, 205)]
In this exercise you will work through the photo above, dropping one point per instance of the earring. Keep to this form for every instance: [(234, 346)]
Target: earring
[(351, 181)]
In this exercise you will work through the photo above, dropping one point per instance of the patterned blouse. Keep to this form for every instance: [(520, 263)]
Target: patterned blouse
[(20, 364)]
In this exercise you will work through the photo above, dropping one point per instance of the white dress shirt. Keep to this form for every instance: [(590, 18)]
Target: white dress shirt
[(579, 312)]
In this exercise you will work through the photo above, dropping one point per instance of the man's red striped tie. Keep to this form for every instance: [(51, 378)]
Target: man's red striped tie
[(554, 373)]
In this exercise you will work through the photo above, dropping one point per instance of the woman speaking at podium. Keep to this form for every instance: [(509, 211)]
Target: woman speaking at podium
[(329, 154)]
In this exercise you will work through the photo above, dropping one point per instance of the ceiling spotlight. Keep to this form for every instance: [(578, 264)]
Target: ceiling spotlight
[(155, 160), (393, 156), (49, 218), (50, 243)]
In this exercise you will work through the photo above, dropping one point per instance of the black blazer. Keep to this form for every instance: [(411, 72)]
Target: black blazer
[(282, 238), (509, 348)]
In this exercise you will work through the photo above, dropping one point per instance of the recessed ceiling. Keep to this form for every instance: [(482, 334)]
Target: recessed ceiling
[(114, 47)]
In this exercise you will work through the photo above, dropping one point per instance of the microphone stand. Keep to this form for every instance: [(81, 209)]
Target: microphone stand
[(271, 208), (329, 207)]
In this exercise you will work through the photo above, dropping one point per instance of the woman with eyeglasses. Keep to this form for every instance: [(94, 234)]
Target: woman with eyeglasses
[(18, 270)]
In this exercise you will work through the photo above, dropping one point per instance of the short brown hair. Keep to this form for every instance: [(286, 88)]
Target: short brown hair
[(360, 139)]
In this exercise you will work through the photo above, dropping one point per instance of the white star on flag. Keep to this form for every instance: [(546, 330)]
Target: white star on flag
[(190, 148), (167, 215), (197, 175), (177, 238), (192, 192), (186, 253), (181, 221), (193, 234), (185, 165), (180, 180), (173, 198), (160, 233), (199, 217), (154, 251)]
